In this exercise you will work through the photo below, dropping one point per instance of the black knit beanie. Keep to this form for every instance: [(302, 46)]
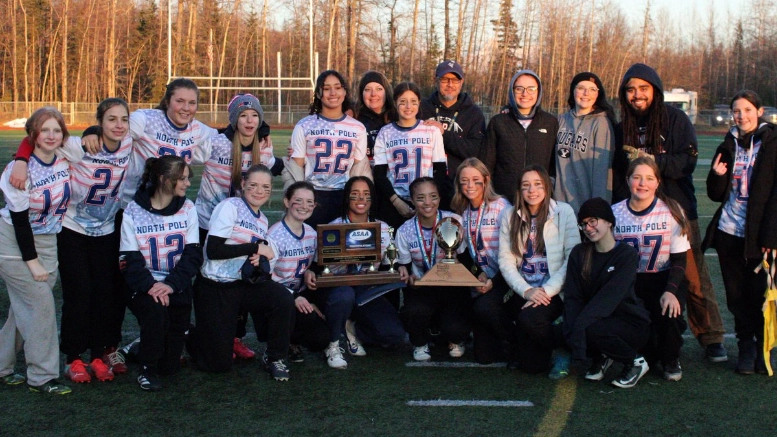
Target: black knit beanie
[(596, 207)]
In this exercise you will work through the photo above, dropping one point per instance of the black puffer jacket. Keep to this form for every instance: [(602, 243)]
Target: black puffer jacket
[(761, 220)]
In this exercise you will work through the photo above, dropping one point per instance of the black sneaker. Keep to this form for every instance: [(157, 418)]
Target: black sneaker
[(716, 353), (673, 371), (760, 363), (632, 373), (747, 355), (149, 381), (296, 354), (598, 368), (51, 387), (277, 369)]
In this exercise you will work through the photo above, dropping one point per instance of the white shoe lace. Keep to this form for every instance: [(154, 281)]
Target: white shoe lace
[(115, 358), (335, 352), (279, 365)]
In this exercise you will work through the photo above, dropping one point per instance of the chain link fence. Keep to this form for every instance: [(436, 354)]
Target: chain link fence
[(82, 114)]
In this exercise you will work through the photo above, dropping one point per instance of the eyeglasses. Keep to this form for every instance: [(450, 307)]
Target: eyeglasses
[(592, 222), (449, 81), (582, 89), (528, 89)]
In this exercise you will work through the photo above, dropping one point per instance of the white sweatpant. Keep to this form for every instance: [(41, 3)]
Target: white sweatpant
[(31, 323)]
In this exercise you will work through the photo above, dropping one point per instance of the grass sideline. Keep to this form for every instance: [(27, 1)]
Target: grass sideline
[(370, 397)]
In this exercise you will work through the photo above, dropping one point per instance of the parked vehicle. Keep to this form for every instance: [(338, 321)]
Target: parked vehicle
[(770, 114), (687, 101), (721, 116)]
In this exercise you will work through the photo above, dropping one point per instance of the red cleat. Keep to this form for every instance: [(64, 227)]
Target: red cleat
[(115, 360), (242, 351), (100, 370), (76, 372)]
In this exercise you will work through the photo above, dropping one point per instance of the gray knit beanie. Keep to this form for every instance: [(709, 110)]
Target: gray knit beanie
[(240, 103)]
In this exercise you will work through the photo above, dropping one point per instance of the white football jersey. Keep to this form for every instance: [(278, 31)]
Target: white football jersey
[(330, 148), (154, 135), (95, 184), (409, 153), (234, 220), (216, 185), (411, 240), (653, 232), (295, 253), (160, 239)]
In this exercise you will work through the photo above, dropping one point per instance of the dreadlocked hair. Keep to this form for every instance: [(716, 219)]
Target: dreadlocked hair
[(657, 119)]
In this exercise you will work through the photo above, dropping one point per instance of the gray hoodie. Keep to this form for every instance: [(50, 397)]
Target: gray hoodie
[(512, 102), (584, 151)]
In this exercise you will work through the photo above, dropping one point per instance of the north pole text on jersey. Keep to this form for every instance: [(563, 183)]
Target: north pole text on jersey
[(178, 142), (51, 178)]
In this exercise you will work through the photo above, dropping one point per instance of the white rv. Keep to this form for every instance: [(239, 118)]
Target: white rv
[(687, 101)]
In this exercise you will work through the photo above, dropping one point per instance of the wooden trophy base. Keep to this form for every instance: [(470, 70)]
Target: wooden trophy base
[(366, 278), (449, 275)]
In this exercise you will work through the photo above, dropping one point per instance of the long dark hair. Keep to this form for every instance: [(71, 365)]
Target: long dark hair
[(315, 106), (656, 120), (347, 196), (162, 173), (674, 208), (520, 225), (181, 82)]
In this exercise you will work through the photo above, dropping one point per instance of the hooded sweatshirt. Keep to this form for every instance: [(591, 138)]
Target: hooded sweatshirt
[(679, 150), (464, 128), (760, 227), (584, 146), (510, 147)]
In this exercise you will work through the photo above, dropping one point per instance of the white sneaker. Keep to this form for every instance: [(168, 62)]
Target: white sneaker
[(334, 356), (354, 346), (456, 350), (421, 353)]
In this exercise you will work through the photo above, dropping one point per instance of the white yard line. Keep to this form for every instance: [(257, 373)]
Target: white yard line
[(472, 403)]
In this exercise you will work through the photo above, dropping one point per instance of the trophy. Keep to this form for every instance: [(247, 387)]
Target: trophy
[(391, 251), (449, 235), (353, 245)]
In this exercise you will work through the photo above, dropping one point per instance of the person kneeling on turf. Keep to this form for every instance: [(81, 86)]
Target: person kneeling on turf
[(603, 317)]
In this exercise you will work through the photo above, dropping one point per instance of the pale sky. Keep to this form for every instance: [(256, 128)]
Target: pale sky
[(684, 8)]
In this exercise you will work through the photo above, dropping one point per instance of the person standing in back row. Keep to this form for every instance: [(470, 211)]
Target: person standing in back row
[(523, 136), (651, 128), (459, 119)]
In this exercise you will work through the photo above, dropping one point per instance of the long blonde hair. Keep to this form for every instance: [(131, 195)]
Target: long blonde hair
[(521, 224), (236, 174), (460, 202)]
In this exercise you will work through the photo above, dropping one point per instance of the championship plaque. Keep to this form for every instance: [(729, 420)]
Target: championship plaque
[(449, 271), (356, 246)]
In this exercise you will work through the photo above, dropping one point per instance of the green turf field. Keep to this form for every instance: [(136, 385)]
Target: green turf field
[(371, 397)]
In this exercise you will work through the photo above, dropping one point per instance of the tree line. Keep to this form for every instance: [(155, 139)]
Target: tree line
[(86, 50)]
